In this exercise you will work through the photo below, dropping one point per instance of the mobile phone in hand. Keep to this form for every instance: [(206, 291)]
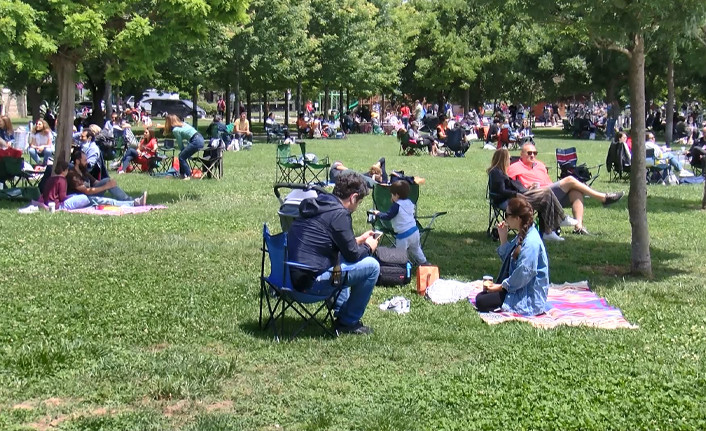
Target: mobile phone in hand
[(377, 234)]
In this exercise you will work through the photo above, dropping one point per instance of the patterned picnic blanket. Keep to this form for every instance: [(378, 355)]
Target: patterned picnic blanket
[(117, 211), (573, 304)]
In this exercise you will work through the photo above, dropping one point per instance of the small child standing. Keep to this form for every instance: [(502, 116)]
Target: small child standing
[(401, 214)]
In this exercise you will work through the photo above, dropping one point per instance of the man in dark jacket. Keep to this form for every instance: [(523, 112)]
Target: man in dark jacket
[(322, 239)]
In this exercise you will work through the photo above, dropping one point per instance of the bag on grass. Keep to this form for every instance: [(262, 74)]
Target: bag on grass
[(395, 268), (426, 276)]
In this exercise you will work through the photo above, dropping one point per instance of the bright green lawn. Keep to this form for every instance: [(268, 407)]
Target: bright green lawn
[(150, 321)]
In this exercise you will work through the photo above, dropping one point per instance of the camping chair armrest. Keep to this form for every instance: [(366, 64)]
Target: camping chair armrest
[(432, 218), (299, 265)]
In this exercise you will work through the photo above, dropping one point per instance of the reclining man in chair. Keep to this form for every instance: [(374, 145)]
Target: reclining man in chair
[(569, 191), (323, 239)]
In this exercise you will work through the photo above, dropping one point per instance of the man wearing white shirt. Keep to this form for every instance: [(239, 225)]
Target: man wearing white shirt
[(667, 156)]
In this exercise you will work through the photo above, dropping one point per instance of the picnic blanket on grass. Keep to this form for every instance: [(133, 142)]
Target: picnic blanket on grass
[(573, 304), (112, 210)]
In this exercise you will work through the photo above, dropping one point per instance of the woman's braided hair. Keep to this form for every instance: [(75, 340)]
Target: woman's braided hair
[(520, 208)]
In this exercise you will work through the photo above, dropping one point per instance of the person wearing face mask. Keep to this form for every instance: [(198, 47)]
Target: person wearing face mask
[(569, 191), (322, 240)]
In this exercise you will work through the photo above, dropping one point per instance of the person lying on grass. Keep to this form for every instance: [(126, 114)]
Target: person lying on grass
[(569, 191), (524, 276), (502, 188), (376, 174), (55, 194)]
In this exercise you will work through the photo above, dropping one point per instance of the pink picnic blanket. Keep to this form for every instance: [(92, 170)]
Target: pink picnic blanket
[(117, 211), (573, 304)]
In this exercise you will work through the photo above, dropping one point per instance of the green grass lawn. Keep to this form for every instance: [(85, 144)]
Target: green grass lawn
[(149, 322)]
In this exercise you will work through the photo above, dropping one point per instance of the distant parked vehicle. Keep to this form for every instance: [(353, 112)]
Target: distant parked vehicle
[(164, 107)]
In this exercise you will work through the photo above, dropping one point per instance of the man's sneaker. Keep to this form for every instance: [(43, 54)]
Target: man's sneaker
[(568, 221), (28, 210), (684, 173), (611, 198), (356, 329), (552, 236)]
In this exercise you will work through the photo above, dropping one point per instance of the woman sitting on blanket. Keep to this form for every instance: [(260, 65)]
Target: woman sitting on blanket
[(543, 200), (55, 193), (524, 277)]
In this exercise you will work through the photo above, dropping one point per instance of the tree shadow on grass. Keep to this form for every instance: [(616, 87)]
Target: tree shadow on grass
[(675, 204), (470, 255)]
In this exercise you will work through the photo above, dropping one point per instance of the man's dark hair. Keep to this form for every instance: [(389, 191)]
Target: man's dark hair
[(348, 183), (59, 167), (89, 133), (76, 155), (400, 188)]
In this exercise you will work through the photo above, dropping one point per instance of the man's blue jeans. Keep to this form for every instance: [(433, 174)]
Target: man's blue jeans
[(353, 300), (115, 192), (195, 144)]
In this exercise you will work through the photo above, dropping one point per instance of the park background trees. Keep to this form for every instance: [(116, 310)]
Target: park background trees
[(466, 51)]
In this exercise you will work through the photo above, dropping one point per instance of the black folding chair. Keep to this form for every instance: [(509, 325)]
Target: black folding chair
[(278, 295), (455, 144), (618, 162), (496, 213), (657, 173)]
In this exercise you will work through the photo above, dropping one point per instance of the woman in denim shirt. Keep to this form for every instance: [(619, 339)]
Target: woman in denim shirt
[(524, 289), (7, 133)]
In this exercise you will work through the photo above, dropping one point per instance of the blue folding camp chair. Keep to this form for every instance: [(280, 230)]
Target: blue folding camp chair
[(278, 295)]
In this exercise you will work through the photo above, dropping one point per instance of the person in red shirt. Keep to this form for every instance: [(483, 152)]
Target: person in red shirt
[(146, 150), (569, 191), (405, 113)]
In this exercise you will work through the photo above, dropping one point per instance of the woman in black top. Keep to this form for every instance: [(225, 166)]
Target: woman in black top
[(502, 188)]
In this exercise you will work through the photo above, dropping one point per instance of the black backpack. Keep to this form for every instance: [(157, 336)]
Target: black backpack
[(580, 172), (395, 268)]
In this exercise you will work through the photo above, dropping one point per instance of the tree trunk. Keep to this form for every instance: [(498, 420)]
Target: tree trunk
[(65, 70), (266, 105), (299, 96), (348, 99), (340, 102), (326, 103), (248, 100), (640, 261), (227, 119), (669, 128), (108, 97), (467, 101), (236, 104), (286, 107), (194, 102), (34, 100), (97, 91)]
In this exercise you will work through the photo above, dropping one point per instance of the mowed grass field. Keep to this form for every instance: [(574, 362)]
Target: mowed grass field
[(149, 322)]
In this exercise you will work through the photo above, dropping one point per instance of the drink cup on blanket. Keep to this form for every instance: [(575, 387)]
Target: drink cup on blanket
[(52, 207), (487, 282)]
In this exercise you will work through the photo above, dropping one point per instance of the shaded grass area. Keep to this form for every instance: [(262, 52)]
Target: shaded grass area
[(150, 321)]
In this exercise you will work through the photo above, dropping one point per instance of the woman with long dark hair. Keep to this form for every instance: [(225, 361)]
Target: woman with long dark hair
[(523, 282), (502, 188)]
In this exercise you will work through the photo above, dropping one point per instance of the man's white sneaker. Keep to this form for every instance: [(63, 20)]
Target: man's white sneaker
[(684, 173), (568, 221), (28, 210), (552, 236)]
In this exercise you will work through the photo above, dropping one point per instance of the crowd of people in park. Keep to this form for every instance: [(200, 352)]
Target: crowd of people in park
[(322, 238)]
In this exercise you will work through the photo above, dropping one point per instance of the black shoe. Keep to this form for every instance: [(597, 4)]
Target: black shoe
[(611, 198), (581, 231), (356, 329), (381, 161)]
